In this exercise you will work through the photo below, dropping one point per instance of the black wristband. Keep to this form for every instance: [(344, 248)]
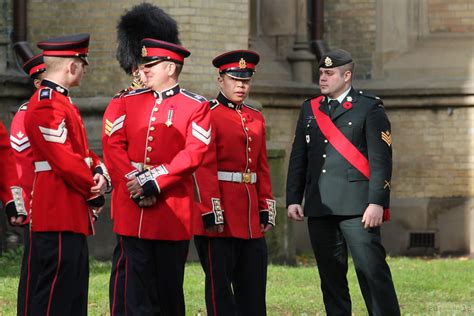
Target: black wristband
[(98, 201)]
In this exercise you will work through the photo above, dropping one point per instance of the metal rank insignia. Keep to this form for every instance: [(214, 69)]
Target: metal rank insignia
[(387, 137), (242, 63), (144, 52), (349, 98), (169, 121), (387, 185), (328, 62)]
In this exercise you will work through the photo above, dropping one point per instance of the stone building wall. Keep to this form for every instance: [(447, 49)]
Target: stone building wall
[(351, 25), (455, 16), (207, 28)]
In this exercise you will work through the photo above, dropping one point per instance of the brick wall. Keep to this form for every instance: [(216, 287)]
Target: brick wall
[(455, 16), (432, 151), (350, 24), (207, 28)]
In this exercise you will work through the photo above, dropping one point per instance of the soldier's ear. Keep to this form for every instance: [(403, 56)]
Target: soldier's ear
[(171, 69), (36, 83), (347, 75)]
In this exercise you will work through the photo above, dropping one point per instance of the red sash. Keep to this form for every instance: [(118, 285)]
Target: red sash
[(342, 144)]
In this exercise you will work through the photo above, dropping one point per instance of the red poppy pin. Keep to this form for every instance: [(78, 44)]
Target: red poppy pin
[(347, 105)]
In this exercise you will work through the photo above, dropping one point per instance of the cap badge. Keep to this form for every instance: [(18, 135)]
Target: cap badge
[(144, 52), (328, 62), (242, 63)]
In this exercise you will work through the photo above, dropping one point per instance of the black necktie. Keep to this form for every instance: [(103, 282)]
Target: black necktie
[(333, 104)]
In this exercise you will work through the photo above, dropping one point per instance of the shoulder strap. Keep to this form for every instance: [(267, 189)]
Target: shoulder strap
[(338, 140)]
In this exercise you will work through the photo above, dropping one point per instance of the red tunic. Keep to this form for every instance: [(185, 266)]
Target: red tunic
[(107, 123), (10, 189), (23, 155), (169, 132), (239, 147), (59, 143)]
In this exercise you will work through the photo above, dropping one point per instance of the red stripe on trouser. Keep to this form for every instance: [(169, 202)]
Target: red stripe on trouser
[(125, 289), (213, 299), (116, 276), (28, 275), (57, 272)]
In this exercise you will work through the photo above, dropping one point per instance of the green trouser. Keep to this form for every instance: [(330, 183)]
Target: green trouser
[(331, 236)]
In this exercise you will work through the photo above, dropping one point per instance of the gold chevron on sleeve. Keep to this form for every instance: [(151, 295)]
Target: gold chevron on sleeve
[(108, 127), (387, 137)]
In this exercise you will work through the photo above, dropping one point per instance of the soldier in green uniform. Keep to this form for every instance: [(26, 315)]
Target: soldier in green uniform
[(341, 162)]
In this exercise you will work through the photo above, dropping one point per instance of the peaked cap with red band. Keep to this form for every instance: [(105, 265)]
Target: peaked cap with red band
[(238, 64), (67, 46), (34, 65), (155, 50)]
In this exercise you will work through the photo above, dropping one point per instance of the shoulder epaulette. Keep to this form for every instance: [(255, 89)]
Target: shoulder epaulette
[(251, 107), (135, 92), (213, 104), (311, 98), (120, 93), (373, 97), (45, 93), (193, 96), (23, 107), (368, 95)]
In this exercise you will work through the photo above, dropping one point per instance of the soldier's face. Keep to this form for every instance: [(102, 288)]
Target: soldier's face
[(157, 75), (333, 82), (79, 69), (236, 90)]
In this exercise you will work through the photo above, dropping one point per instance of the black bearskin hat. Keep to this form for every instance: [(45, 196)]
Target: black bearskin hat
[(142, 21)]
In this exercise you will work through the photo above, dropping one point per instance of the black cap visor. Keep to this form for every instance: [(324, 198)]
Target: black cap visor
[(154, 59), (236, 74)]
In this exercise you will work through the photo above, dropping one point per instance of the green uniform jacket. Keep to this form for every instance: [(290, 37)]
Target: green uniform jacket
[(329, 184)]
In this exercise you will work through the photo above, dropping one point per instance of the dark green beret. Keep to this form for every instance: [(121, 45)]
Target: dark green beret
[(335, 58)]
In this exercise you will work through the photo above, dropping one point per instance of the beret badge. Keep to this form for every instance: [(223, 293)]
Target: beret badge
[(328, 62)]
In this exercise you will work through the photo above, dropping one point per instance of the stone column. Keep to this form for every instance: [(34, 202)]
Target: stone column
[(301, 58)]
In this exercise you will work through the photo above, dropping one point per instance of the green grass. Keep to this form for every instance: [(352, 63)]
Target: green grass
[(424, 287)]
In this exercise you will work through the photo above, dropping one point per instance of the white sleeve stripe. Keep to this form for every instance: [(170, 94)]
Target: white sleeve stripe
[(54, 132), (56, 139), (20, 148), (199, 129), (119, 120), (116, 128), (205, 140), (18, 141)]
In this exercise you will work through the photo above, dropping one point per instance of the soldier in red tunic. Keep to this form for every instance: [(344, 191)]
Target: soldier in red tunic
[(158, 139), (68, 184), (20, 143), (141, 21), (237, 206)]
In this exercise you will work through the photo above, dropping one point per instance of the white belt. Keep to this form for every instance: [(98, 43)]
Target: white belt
[(239, 177), (45, 166)]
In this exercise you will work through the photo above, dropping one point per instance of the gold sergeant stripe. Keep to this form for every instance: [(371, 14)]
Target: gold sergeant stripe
[(387, 138)]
